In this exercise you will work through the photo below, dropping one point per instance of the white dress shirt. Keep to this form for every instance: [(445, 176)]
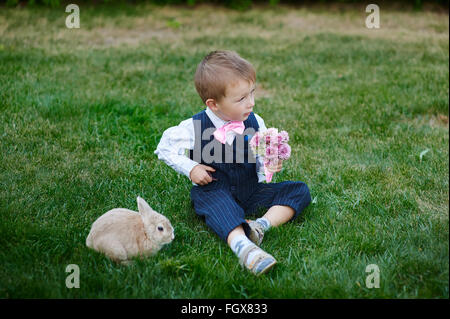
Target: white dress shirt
[(176, 140)]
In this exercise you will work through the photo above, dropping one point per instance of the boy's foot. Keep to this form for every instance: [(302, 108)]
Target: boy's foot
[(260, 262), (256, 232)]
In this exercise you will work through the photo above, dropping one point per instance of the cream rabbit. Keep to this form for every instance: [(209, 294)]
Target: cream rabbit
[(122, 233)]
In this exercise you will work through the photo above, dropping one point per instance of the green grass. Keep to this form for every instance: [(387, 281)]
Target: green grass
[(82, 111)]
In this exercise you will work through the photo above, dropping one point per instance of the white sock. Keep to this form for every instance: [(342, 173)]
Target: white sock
[(238, 245), (264, 222)]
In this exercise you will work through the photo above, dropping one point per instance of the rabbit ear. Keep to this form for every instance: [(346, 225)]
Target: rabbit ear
[(143, 206)]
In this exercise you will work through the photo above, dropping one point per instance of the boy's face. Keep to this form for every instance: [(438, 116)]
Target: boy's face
[(238, 101)]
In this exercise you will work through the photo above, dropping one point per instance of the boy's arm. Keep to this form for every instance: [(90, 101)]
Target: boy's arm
[(262, 125), (173, 144)]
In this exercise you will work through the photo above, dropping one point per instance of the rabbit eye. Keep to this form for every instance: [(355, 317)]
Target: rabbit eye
[(160, 228)]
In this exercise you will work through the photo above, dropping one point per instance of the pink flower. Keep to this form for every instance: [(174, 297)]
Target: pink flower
[(273, 148), (284, 151), (284, 137), (270, 136), (262, 142), (271, 152), (254, 142), (257, 137)]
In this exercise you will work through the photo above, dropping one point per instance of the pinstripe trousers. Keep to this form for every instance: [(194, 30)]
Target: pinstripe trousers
[(223, 211)]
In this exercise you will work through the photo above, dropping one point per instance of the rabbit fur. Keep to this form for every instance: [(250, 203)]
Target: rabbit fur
[(122, 234)]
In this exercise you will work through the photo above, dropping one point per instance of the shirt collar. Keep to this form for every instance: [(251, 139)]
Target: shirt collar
[(217, 121)]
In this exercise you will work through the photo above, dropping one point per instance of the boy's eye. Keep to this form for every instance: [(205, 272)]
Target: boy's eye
[(244, 97)]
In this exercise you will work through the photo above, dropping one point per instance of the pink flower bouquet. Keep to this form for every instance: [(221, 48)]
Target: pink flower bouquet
[(272, 146)]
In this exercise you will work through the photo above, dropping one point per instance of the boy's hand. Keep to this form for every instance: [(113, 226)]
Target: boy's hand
[(199, 174), (276, 168)]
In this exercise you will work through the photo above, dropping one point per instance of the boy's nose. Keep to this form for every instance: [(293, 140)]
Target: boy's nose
[(252, 101)]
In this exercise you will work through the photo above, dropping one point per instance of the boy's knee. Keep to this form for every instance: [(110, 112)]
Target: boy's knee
[(304, 191)]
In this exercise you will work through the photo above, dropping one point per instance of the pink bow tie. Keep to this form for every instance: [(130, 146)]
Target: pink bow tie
[(221, 133)]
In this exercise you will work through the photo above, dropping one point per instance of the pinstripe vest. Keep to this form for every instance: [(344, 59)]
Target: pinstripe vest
[(235, 164)]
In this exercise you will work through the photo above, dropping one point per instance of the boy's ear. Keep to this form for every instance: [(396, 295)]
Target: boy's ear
[(211, 103)]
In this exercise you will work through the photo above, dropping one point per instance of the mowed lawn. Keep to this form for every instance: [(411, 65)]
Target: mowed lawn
[(82, 110)]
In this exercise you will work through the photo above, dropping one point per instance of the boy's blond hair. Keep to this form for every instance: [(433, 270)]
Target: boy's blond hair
[(219, 69)]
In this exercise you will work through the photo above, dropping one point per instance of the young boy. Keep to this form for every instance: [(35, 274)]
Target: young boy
[(227, 179)]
